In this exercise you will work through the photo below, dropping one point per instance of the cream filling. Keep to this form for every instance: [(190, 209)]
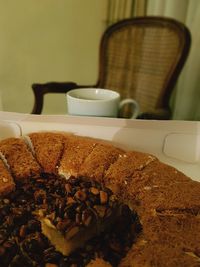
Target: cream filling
[(77, 236), (4, 161), (29, 143), (64, 174), (193, 255), (65, 244)]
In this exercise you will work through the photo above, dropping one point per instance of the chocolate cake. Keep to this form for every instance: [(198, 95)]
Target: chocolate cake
[(68, 200)]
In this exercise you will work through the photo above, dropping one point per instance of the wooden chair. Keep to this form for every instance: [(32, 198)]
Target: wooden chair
[(141, 58)]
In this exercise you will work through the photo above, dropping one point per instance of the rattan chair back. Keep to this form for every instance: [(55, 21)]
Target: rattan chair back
[(142, 58)]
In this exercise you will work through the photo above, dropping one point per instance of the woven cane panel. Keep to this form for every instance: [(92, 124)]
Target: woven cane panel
[(139, 61)]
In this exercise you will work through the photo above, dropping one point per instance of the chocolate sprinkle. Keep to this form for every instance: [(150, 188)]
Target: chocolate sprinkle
[(68, 204)]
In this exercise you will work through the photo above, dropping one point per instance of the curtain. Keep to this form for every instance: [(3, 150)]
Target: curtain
[(121, 9), (185, 101)]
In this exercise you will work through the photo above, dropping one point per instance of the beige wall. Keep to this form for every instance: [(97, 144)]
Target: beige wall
[(48, 40)]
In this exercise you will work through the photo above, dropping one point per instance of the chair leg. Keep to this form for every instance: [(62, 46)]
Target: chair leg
[(39, 99)]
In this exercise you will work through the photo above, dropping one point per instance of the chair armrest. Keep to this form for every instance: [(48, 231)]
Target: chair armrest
[(53, 87), (159, 114), (40, 89)]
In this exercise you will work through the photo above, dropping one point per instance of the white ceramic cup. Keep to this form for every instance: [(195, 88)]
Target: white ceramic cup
[(97, 102)]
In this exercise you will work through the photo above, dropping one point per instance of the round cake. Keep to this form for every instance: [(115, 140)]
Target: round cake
[(68, 200)]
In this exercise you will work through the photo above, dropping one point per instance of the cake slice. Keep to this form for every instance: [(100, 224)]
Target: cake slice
[(155, 185), (153, 176), (160, 174), (7, 184), (117, 177), (19, 158), (77, 149), (170, 198), (47, 148), (84, 212), (99, 160)]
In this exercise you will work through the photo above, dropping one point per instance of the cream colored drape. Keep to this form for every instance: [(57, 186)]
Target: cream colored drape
[(121, 9), (186, 99), (1, 101)]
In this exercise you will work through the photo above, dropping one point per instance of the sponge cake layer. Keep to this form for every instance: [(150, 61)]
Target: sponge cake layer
[(19, 158)]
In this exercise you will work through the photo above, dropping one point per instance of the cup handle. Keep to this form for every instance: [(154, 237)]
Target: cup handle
[(134, 103)]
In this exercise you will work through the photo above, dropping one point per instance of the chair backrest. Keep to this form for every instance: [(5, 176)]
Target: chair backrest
[(142, 58)]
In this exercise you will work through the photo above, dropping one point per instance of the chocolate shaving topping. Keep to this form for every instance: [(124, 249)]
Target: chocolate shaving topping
[(69, 205)]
